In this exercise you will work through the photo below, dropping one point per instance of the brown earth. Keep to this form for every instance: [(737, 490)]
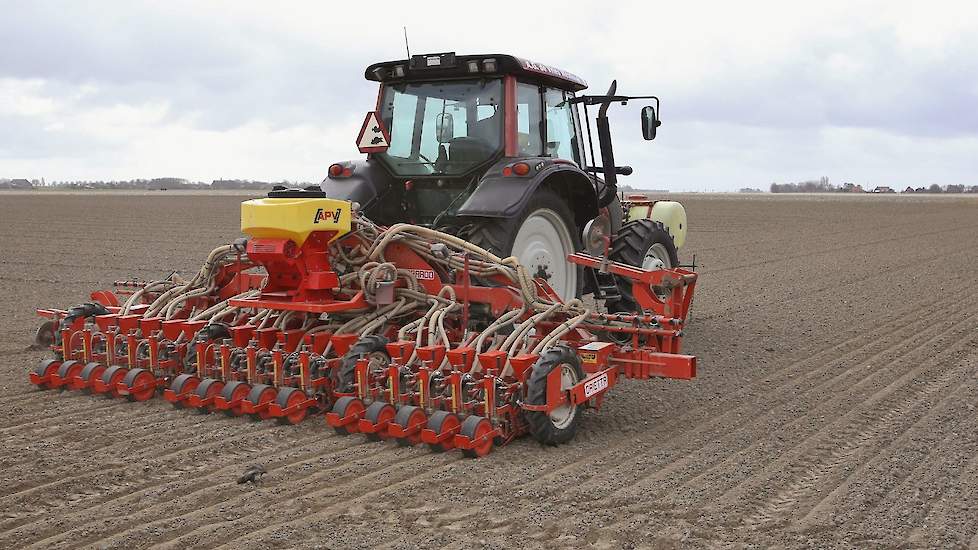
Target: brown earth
[(835, 404)]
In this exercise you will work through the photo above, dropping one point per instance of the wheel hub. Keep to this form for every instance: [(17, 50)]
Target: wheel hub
[(564, 415)]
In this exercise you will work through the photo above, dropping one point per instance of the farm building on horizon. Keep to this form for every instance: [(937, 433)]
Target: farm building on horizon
[(19, 183)]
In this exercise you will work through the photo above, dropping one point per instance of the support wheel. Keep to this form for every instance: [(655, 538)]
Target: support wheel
[(477, 428), (92, 372), (378, 412), (45, 369), (541, 236), (410, 417), (372, 347), (560, 425), (183, 384), (442, 422), (68, 371), (288, 397), (261, 394), (235, 391), (347, 406), (208, 388), (141, 384), (112, 376)]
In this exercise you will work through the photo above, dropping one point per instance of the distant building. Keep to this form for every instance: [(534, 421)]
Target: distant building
[(883, 189), (908, 189), (20, 184)]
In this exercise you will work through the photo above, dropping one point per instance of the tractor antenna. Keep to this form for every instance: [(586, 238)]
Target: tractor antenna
[(406, 46)]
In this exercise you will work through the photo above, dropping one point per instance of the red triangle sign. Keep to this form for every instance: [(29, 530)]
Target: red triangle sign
[(373, 136)]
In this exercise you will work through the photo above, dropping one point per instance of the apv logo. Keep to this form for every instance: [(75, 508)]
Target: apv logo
[(327, 215)]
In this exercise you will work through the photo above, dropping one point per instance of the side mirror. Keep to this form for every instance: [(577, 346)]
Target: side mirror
[(444, 127), (649, 122)]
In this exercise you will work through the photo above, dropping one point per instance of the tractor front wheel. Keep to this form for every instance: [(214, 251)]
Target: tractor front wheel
[(641, 243)]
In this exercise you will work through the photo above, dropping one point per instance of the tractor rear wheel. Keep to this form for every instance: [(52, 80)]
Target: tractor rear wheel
[(541, 237), (641, 243), (560, 425)]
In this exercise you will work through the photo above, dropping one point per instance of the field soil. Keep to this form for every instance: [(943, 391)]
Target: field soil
[(837, 339)]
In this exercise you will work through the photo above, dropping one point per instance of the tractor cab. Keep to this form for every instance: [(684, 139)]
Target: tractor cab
[(448, 115), (494, 148)]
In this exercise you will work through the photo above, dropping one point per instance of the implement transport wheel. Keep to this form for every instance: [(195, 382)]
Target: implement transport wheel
[(378, 412), (67, 371), (183, 384), (408, 417), (92, 372), (476, 427), (208, 388), (541, 236), (641, 243), (111, 377), (374, 349), (560, 425), (288, 397), (442, 422), (347, 406), (262, 394), (143, 381), (45, 369), (235, 391)]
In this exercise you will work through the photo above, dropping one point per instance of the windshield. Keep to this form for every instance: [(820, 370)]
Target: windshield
[(442, 128)]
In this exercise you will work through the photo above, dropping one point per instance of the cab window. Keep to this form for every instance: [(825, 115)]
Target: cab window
[(528, 120), (533, 103), (560, 125)]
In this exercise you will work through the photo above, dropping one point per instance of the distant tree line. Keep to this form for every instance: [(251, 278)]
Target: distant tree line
[(934, 188), (823, 185)]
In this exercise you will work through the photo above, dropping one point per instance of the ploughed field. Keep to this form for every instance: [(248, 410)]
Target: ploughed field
[(835, 404)]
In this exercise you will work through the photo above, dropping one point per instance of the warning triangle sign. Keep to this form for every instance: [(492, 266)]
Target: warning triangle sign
[(373, 136)]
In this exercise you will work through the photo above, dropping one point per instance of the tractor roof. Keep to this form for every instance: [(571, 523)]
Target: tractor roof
[(448, 65)]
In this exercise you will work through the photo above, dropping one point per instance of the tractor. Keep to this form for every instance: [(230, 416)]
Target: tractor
[(429, 293), (492, 148)]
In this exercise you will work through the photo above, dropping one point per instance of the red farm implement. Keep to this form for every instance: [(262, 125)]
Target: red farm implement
[(400, 333)]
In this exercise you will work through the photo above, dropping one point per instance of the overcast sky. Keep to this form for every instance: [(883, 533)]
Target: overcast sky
[(877, 93)]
